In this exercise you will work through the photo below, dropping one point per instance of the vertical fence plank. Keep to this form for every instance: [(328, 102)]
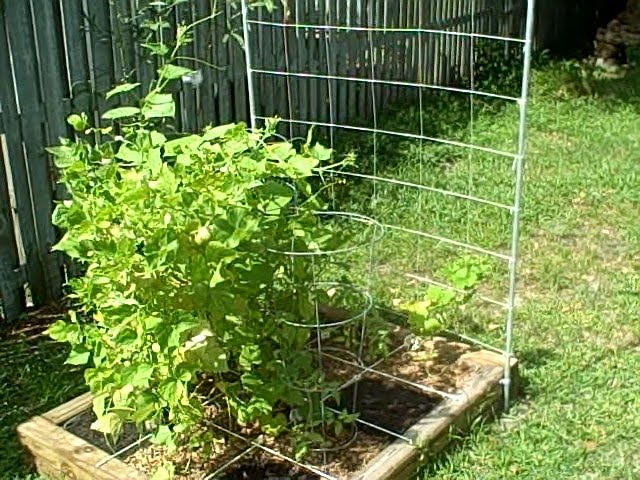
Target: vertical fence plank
[(365, 60), (293, 55), (225, 87), (76, 57), (314, 63), (202, 51), (30, 166), (301, 60), (280, 63), (98, 21), (54, 93), (332, 49), (185, 14), (12, 301), (341, 58), (237, 67), (124, 40), (321, 37)]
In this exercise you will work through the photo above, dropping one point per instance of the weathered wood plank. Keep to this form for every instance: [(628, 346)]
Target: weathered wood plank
[(238, 67), (481, 394), (11, 293), (98, 21), (60, 454), (25, 139), (332, 53), (76, 58), (186, 104), (225, 75), (202, 51), (47, 29), (301, 61), (124, 41), (68, 410)]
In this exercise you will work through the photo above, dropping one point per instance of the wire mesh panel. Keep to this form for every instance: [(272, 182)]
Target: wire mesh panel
[(399, 85), (395, 80)]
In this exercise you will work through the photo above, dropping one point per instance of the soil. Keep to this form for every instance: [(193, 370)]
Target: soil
[(435, 363), (392, 405), (263, 468), (81, 427)]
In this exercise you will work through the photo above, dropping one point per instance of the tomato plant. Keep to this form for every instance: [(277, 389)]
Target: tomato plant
[(441, 304), (182, 286)]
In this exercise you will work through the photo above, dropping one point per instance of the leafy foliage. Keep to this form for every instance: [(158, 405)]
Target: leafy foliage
[(498, 67), (439, 305), (182, 288), (179, 281)]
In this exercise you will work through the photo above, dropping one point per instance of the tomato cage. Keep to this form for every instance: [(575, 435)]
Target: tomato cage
[(399, 87)]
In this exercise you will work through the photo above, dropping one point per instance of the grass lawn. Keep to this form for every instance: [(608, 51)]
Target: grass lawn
[(578, 329)]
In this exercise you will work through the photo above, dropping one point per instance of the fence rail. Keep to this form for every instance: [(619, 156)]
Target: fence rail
[(60, 56)]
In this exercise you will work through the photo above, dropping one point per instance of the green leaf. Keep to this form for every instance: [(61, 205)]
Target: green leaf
[(251, 380), (217, 277), (152, 323), (63, 156), (172, 390), (213, 133), (430, 327), (125, 87), (126, 337), (129, 155), (60, 331), (145, 407), (249, 356), (99, 404), (157, 139), (120, 112), (321, 153), (69, 245), (159, 49), (79, 122), (277, 197), (174, 72), (304, 165), (182, 144), (142, 376), (166, 471), (162, 436), (78, 356), (159, 105), (109, 424), (439, 296)]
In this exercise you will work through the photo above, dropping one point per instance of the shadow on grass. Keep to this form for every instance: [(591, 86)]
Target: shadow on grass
[(33, 379), (533, 359), (566, 79)]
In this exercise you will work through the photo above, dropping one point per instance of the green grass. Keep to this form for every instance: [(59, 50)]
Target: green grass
[(578, 330), (33, 379)]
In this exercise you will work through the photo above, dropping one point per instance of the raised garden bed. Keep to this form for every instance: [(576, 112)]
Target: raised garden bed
[(410, 420)]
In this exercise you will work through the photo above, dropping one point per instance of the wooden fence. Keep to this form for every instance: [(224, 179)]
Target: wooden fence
[(61, 56)]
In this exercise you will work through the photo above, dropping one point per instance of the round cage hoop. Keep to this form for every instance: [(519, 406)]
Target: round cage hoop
[(367, 307), (377, 227)]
